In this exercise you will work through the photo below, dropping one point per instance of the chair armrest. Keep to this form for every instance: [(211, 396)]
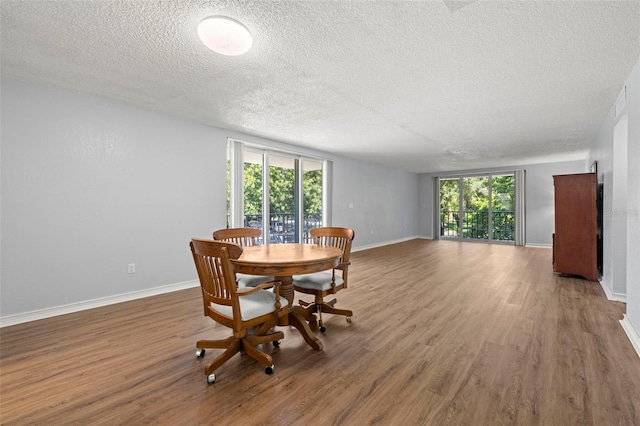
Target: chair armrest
[(276, 290), (343, 265), (248, 290)]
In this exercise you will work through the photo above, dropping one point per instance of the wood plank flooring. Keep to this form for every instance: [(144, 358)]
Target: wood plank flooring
[(443, 333)]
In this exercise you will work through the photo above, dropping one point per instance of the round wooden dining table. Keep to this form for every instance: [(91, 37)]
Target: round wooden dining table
[(283, 261)]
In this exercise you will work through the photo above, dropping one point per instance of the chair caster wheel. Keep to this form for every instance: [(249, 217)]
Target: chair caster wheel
[(269, 370), (348, 319), (323, 329), (276, 343), (200, 353), (211, 378)]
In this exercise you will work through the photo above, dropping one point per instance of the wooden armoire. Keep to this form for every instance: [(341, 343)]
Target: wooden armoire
[(574, 239)]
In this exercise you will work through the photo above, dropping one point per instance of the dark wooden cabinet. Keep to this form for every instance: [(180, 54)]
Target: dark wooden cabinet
[(574, 240)]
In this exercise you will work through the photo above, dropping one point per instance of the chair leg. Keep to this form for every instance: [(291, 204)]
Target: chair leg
[(307, 310), (215, 344), (233, 345), (319, 311), (303, 303), (261, 357), (318, 308), (331, 310), (233, 349), (250, 343), (327, 307), (255, 340), (266, 326)]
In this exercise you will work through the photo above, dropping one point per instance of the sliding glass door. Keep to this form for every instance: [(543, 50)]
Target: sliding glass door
[(279, 193), (253, 195), (503, 201), (312, 206), (477, 207), (450, 208), (282, 207)]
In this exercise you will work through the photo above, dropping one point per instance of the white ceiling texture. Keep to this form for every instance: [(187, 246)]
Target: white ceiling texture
[(423, 86)]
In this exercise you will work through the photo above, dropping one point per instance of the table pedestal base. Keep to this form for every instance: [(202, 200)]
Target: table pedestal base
[(298, 321), (296, 317)]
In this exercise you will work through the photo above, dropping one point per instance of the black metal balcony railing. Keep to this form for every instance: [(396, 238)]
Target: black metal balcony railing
[(282, 226), (475, 224)]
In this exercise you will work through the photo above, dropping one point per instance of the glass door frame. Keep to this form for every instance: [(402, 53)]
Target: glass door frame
[(461, 210), (236, 150)]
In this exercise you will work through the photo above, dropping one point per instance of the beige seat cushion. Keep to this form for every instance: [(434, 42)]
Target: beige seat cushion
[(317, 281), (246, 280), (253, 305)]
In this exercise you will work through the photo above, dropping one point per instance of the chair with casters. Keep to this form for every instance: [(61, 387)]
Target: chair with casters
[(322, 284), (241, 309), (244, 237)]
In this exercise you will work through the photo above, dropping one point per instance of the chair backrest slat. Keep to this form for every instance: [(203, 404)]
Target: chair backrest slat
[(215, 272), (244, 237), (335, 237)]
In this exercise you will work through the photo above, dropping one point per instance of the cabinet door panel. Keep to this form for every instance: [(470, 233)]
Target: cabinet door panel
[(575, 225)]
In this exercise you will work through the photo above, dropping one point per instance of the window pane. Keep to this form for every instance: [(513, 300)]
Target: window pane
[(503, 207), (476, 207), (228, 187), (312, 190), (253, 194), (449, 207), (483, 218), (282, 199)]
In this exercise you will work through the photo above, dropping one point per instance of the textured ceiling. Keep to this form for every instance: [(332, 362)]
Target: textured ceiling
[(418, 85)]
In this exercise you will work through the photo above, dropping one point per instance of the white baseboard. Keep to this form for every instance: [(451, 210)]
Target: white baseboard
[(538, 245), (632, 333), (386, 243), (9, 320), (94, 303), (615, 297)]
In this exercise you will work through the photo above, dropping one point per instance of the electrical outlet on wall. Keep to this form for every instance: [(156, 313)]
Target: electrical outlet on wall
[(131, 268)]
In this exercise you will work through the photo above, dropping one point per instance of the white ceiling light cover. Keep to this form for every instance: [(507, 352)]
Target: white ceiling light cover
[(225, 35)]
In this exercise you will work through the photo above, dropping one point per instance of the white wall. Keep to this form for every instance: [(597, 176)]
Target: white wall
[(619, 202), (538, 198), (621, 231), (90, 185), (380, 204), (602, 152), (633, 206)]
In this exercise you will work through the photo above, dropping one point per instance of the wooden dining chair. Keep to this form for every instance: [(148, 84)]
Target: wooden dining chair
[(244, 237), (237, 308), (322, 284)]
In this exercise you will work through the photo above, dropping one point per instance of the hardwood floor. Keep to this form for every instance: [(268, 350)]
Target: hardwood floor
[(442, 333)]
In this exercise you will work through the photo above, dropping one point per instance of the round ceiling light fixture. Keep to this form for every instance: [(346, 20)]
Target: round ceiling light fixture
[(225, 35)]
